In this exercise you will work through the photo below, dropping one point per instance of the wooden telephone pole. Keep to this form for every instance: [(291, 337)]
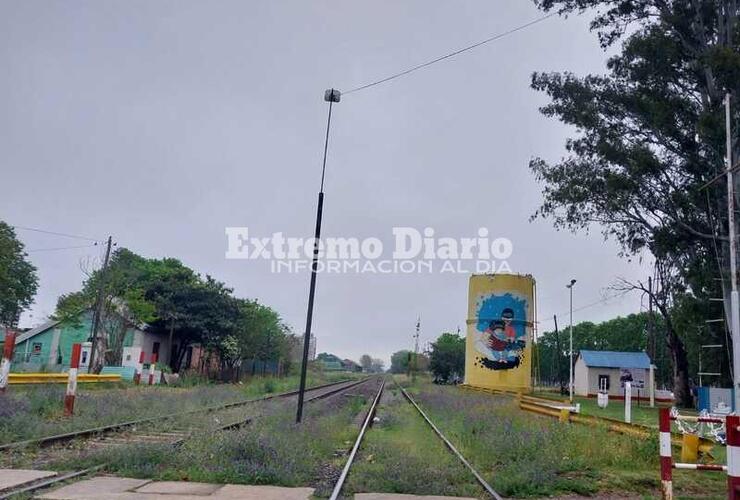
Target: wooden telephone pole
[(97, 313)]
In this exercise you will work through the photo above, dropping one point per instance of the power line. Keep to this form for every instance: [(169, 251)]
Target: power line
[(606, 299), (61, 248), (452, 54), (66, 235)]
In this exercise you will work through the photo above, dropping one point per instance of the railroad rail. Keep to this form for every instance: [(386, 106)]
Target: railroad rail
[(611, 424), (47, 483), (552, 407), (368, 422), (69, 436), (365, 425)]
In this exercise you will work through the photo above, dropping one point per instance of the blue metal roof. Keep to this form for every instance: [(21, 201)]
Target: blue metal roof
[(616, 359)]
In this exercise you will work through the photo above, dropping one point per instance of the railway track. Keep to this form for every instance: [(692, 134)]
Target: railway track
[(108, 429), (368, 423), (111, 435), (554, 408)]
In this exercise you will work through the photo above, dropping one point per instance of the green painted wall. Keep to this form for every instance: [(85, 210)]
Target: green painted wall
[(40, 357), (69, 334), (72, 334)]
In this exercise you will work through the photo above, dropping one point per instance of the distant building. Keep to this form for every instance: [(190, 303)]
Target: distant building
[(330, 362), (49, 346), (296, 348), (351, 366), (312, 348), (333, 363), (609, 370)]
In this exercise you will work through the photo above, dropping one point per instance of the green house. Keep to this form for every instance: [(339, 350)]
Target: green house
[(48, 347)]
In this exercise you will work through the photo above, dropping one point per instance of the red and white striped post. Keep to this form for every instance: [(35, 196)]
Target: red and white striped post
[(666, 456), (74, 365), (152, 366), (733, 456), (139, 369), (7, 358)]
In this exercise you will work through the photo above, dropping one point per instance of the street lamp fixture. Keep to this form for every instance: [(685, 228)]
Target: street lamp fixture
[(331, 96), (570, 364)]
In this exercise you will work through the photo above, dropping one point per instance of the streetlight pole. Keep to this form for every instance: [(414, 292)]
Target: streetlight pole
[(734, 298), (570, 363), (331, 96)]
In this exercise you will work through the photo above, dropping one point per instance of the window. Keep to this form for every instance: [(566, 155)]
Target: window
[(36, 348), (155, 349), (603, 382)]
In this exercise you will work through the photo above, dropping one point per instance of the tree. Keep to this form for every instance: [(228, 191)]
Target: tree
[(650, 139), (628, 333), (366, 362), (123, 306), (400, 361), (447, 358), (174, 300), (18, 280), (377, 365)]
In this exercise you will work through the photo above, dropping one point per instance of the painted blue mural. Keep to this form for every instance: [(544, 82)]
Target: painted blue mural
[(501, 328)]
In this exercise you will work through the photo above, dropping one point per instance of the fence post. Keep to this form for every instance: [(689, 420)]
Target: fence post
[(139, 369), (74, 365), (7, 358), (666, 457), (152, 366), (628, 402), (733, 456)]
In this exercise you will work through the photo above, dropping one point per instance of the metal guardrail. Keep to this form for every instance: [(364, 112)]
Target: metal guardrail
[(543, 406), (60, 378), (612, 425)]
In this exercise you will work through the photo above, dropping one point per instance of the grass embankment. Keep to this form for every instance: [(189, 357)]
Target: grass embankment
[(522, 454), (641, 414), (272, 449), (400, 454), (33, 411)]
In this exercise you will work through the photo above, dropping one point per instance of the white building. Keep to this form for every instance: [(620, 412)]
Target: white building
[(608, 370), (296, 348)]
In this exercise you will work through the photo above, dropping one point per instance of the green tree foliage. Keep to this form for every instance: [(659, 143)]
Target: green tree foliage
[(631, 333), (170, 298), (18, 280), (650, 135), (447, 358), (377, 366), (400, 361), (366, 362)]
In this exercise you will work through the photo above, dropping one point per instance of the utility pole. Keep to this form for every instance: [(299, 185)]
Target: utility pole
[(651, 330), (416, 348), (734, 299), (570, 363), (559, 354), (99, 306), (331, 96)]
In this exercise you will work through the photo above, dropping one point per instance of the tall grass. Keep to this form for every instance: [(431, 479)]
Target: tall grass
[(401, 455), (273, 449), (34, 411), (525, 455)]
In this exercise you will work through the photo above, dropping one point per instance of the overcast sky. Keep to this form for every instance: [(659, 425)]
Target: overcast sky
[(163, 122)]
